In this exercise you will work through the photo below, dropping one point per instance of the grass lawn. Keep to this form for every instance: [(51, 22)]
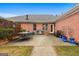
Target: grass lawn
[(16, 50), (67, 50)]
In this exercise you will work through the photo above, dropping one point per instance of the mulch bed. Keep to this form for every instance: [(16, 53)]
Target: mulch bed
[(2, 42)]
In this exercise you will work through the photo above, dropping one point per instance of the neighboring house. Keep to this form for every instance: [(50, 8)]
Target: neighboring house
[(69, 23), (5, 23), (33, 23)]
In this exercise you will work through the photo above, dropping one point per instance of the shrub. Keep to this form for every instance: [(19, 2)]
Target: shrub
[(22, 30), (6, 32)]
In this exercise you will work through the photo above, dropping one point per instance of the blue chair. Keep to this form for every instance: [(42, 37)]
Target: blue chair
[(72, 40), (64, 38)]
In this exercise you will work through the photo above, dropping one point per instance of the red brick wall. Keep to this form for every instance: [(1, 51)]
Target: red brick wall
[(29, 27), (17, 28), (39, 26), (69, 24)]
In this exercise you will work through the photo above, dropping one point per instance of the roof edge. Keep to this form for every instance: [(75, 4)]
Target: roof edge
[(72, 11)]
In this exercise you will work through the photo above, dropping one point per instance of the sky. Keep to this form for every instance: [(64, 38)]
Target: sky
[(18, 9)]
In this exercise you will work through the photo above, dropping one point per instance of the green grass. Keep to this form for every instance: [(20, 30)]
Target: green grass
[(67, 50), (16, 50)]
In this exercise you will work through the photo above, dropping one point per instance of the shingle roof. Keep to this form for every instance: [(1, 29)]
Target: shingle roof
[(34, 18)]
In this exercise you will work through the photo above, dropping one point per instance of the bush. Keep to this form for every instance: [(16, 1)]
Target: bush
[(6, 32), (22, 30), (58, 33)]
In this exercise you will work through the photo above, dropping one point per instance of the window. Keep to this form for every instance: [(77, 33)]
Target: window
[(34, 26), (45, 26)]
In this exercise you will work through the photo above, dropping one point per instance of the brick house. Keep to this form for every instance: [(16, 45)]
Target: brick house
[(33, 23), (69, 23), (5, 23)]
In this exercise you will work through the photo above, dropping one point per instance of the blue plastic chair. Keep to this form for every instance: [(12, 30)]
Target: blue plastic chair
[(64, 38), (72, 40)]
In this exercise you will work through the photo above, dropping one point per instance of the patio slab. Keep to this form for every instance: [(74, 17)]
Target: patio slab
[(43, 51), (41, 40), (43, 44)]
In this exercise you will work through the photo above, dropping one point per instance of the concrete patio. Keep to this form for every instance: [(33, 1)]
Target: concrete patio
[(43, 44), (41, 40)]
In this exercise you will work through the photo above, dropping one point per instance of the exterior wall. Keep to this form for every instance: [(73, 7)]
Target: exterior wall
[(17, 27), (27, 27), (70, 26), (39, 26)]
